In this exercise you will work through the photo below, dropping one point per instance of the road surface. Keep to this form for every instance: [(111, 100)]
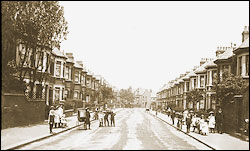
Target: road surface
[(135, 129)]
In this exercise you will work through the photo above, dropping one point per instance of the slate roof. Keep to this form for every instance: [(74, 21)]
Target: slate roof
[(227, 54), (77, 65), (58, 53)]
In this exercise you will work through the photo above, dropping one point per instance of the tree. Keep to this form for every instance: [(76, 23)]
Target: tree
[(195, 96), (127, 95), (40, 26), (107, 93), (228, 86)]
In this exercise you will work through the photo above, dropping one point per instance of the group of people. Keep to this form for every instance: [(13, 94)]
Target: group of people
[(56, 118), (106, 118), (199, 124)]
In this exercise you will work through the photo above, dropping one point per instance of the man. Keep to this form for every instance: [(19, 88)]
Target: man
[(172, 116), (88, 117), (188, 122), (51, 118), (106, 118), (219, 121), (112, 118)]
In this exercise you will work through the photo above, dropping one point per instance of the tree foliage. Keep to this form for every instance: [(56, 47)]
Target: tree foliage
[(228, 86), (126, 94), (107, 93), (37, 25), (195, 95)]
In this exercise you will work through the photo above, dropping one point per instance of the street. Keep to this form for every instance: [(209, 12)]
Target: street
[(135, 129)]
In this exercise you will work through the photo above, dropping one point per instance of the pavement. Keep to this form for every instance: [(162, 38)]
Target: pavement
[(12, 137), (217, 141)]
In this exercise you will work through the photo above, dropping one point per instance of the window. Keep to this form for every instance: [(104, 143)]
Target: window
[(66, 94), (77, 77), (52, 68), (213, 76), (208, 77), (67, 72), (76, 94), (247, 65), (194, 83), (202, 81), (57, 94), (58, 68), (187, 86), (240, 65)]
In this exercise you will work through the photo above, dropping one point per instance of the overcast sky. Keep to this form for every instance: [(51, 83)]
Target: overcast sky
[(148, 43)]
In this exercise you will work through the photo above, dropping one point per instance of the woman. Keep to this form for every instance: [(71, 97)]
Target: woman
[(203, 125), (211, 122), (51, 119), (57, 118)]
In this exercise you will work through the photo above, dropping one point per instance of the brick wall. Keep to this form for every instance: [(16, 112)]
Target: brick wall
[(17, 111)]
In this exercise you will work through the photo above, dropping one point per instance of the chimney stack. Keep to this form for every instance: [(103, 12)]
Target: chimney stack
[(220, 50), (80, 63), (245, 33), (70, 55)]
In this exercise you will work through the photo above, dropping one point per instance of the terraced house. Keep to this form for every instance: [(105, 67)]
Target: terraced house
[(202, 78)]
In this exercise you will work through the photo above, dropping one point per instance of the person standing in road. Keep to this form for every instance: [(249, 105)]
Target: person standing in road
[(112, 120), (51, 118), (88, 117), (219, 121), (172, 116), (106, 118), (101, 116), (188, 122)]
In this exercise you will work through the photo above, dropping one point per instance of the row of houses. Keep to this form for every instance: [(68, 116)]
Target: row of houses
[(51, 77), (235, 59), (68, 81)]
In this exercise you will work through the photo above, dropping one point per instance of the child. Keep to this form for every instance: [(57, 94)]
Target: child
[(203, 125), (64, 121)]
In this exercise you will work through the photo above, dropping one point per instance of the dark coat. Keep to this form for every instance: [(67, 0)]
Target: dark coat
[(188, 120), (87, 117), (219, 117)]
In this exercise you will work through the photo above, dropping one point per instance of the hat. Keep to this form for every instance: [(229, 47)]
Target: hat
[(211, 112), (52, 107)]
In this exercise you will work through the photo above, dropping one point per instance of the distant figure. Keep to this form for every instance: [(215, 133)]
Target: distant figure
[(188, 122), (64, 123), (112, 120), (101, 118), (51, 118), (211, 122), (219, 121), (88, 117), (203, 125), (57, 117), (106, 118), (60, 114), (172, 116)]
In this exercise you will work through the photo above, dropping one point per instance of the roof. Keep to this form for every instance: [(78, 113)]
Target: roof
[(70, 60), (245, 44), (190, 74), (77, 65), (58, 53), (210, 64), (202, 68), (227, 54)]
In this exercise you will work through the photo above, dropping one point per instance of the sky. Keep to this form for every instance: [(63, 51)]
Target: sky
[(145, 44)]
